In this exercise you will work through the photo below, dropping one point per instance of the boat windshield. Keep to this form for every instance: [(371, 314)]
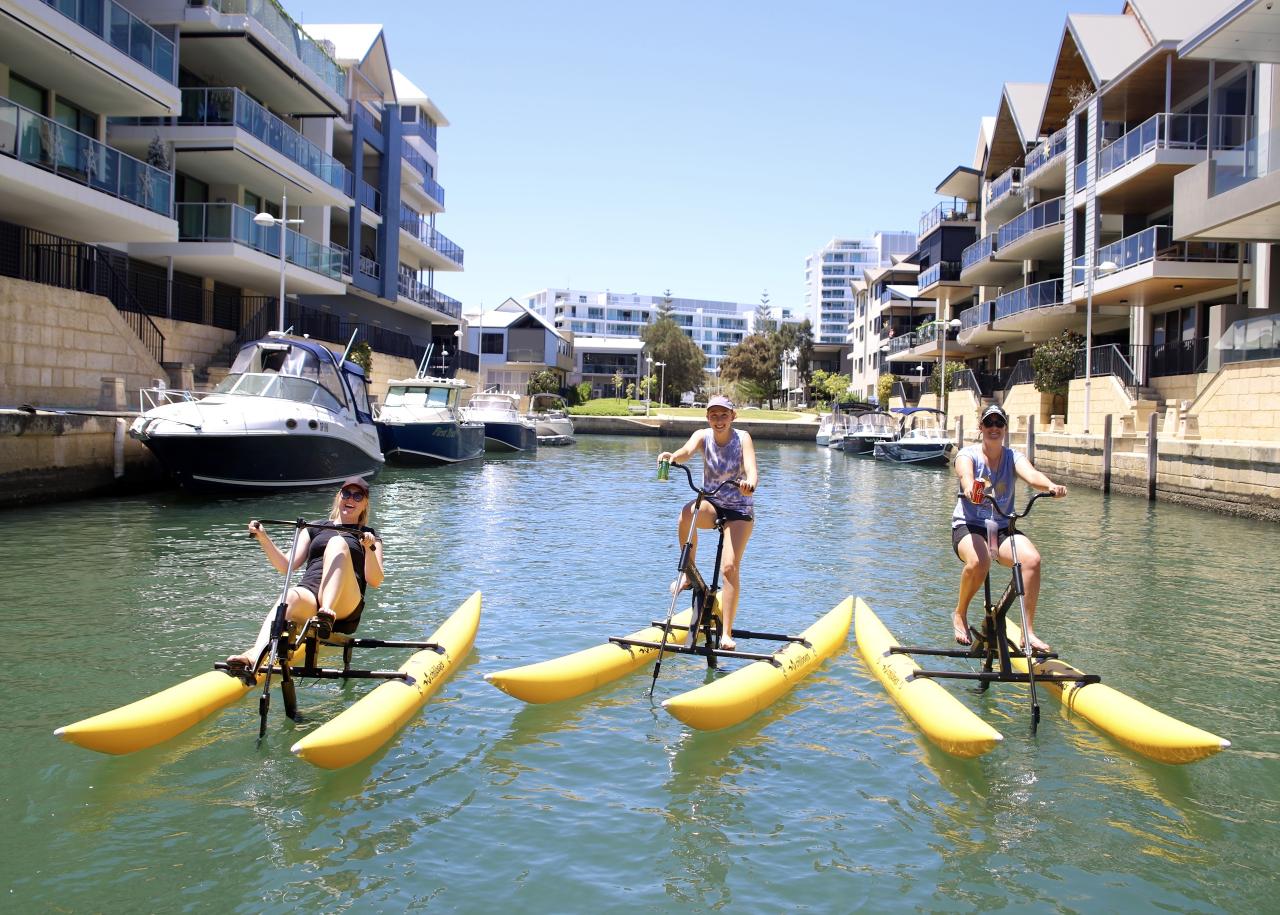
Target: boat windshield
[(498, 402), (287, 372), (415, 396)]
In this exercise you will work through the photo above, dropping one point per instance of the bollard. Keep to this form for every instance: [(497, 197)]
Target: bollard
[(1106, 453), (960, 431), (1152, 454), (1031, 438)]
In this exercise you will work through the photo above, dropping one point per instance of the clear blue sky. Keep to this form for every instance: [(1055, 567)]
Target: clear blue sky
[(705, 147)]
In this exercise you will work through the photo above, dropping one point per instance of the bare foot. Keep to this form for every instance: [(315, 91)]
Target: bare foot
[(728, 644), (961, 628), (680, 584), (1036, 644), (240, 661)]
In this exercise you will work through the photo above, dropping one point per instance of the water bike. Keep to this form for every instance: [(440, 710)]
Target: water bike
[(1006, 658), (290, 655), (725, 701)]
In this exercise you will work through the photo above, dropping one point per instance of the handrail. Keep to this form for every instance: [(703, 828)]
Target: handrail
[(980, 250), (1047, 151), (1171, 130), (123, 31), (1040, 216), (941, 272), (1037, 295), (1023, 373), (416, 225), (271, 16), (43, 142), (234, 223), (1004, 185), (944, 212)]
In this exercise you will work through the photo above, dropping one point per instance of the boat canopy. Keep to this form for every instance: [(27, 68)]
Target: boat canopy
[(301, 370), (907, 411)]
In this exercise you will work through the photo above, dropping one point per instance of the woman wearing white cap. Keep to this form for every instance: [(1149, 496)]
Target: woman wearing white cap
[(996, 465), (340, 562), (728, 454)]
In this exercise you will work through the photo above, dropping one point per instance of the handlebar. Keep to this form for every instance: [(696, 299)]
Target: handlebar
[(1012, 516), (706, 493), (317, 525)]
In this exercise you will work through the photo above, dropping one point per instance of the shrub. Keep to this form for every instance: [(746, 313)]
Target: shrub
[(1054, 362)]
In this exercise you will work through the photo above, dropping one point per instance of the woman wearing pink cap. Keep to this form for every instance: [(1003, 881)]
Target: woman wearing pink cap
[(728, 454), (340, 562)]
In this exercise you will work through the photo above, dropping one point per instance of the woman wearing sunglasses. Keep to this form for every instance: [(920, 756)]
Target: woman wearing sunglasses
[(339, 562), (996, 465)]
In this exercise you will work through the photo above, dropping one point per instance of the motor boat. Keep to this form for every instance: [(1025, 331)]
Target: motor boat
[(823, 438), (420, 423), (922, 438), (504, 428), (867, 430), (551, 421), (291, 414)]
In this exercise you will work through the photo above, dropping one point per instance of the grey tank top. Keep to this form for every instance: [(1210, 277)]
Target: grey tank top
[(721, 463), (999, 483)]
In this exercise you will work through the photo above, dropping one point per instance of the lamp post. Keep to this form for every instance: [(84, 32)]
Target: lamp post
[(648, 385), (444, 360), (1102, 269), (662, 385), (457, 334), (266, 221)]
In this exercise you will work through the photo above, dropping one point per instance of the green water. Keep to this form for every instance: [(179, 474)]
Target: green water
[(828, 801)]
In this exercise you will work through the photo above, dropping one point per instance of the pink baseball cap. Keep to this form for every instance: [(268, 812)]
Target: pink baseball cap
[(720, 401)]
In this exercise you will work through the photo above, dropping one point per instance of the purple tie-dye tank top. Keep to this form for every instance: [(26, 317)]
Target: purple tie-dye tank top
[(720, 463)]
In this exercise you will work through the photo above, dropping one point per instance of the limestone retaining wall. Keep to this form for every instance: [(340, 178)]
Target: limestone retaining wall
[(192, 344), (1024, 400), (58, 344), (1241, 403), (804, 430)]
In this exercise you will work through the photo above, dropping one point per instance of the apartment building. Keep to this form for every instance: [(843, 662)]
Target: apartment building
[(514, 343), (829, 302), (716, 327), (1071, 199), (139, 139)]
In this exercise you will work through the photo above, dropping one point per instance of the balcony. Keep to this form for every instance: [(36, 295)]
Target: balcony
[(1235, 194), (370, 198), (1045, 166), (215, 136), (1136, 171), (1031, 308), (979, 265), (976, 329), (425, 182), (123, 31), (426, 130), (929, 343), (898, 348), (930, 278), (44, 166), (1152, 268), (1035, 235), (955, 211), (1004, 195), (412, 288), (434, 248), (221, 240), (258, 42)]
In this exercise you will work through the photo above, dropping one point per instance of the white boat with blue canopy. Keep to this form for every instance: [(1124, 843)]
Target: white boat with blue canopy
[(922, 438)]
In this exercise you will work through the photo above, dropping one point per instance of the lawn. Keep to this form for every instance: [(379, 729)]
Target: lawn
[(616, 406)]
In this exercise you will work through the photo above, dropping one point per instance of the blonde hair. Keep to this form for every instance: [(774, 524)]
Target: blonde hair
[(335, 513)]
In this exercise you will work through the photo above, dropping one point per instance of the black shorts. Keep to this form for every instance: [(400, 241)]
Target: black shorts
[(960, 531), (730, 514)]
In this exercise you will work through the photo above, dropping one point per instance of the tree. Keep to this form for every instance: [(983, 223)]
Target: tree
[(763, 321), (665, 307), (953, 368), (631, 391), (668, 343), (362, 355), (884, 390), (580, 393), (832, 386), (617, 383), (756, 362), (544, 382), (1054, 363)]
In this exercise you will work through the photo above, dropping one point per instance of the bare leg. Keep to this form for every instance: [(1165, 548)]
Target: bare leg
[(736, 535), (339, 590), (1029, 557), (973, 552), (706, 521), (300, 606)]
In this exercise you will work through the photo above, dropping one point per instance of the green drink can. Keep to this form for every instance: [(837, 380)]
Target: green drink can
[(664, 471)]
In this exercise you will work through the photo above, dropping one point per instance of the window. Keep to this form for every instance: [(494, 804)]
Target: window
[(75, 117), (408, 114), (491, 343)]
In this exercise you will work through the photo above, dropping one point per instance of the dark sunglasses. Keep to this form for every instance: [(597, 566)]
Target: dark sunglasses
[(355, 495), (993, 422)]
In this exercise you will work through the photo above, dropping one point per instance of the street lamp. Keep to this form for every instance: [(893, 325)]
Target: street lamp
[(648, 385), (946, 327), (662, 385), (1101, 269), (266, 221)]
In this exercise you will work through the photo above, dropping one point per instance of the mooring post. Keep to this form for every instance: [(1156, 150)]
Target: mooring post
[(1152, 453), (1106, 453), (960, 431), (1031, 438)]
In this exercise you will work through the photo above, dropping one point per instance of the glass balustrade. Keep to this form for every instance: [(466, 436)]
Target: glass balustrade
[(1038, 217), (1172, 131), (44, 143), (370, 197), (1157, 243), (234, 223), (945, 212), (1037, 295), (123, 31), (1005, 185), (1045, 153), (1249, 158), (416, 225), (414, 158), (976, 316), (276, 21), (941, 272), (231, 106), (1081, 176), (980, 250)]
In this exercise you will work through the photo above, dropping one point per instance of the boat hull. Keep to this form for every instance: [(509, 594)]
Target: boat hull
[(375, 718), (941, 716), (502, 436), (430, 444), (262, 461), (734, 698), (1139, 727), (583, 671), (898, 453)]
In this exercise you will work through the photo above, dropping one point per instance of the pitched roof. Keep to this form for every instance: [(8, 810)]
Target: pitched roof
[(1176, 20), (350, 41), (408, 93)]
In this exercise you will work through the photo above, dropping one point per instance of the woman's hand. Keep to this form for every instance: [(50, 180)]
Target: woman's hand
[(369, 541), (255, 529), (665, 456), (746, 488), (1057, 491)]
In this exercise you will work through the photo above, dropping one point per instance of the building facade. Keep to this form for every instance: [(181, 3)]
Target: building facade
[(828, 302), (135, 156), (716, 327)]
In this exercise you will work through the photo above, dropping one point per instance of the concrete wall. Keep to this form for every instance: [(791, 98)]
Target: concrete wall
[(192, 344), (1108, 395), (804, 430), (1241, 403), (1179, 387), (58, 345), (1024, 400)]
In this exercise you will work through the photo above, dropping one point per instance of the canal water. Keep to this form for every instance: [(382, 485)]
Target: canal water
[(829, 800)]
